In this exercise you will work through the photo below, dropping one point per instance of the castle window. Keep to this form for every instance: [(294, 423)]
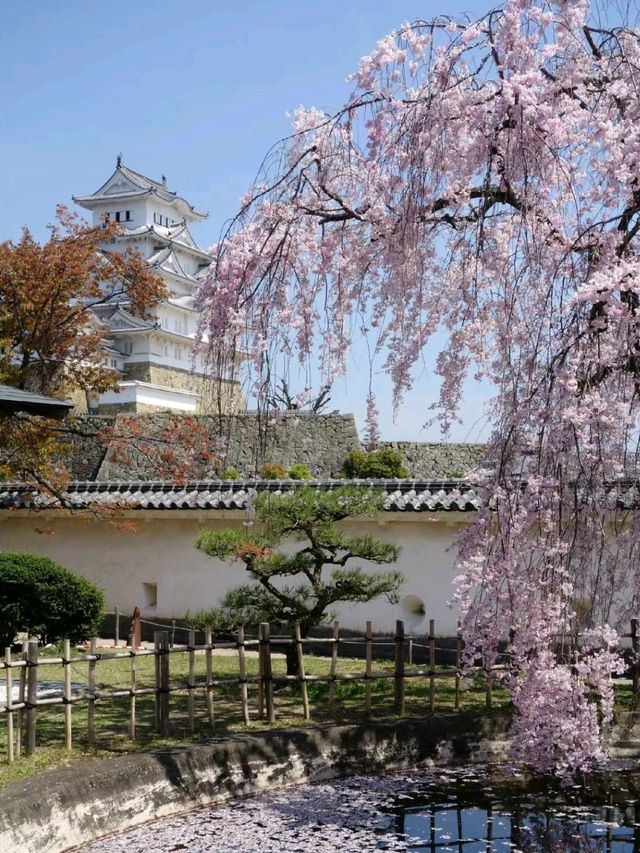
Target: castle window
[(117, 216), (127, 216)]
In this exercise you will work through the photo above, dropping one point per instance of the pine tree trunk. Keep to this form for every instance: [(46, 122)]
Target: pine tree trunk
[(291, 654)]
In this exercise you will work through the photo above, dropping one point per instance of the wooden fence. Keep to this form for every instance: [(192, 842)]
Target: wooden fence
[(22, 715)]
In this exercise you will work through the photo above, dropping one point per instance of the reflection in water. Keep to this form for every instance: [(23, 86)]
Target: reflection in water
[(472, 818), (443, 810)]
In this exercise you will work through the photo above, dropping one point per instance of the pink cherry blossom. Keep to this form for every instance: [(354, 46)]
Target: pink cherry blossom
[(483, 180)]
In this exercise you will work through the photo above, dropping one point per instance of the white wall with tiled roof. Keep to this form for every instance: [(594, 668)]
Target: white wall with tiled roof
[(161, 555)]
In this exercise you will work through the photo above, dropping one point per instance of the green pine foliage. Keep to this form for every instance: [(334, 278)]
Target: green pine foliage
[(304, 586)]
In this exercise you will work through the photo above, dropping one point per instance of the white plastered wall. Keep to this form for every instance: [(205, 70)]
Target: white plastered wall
[(161, 552)]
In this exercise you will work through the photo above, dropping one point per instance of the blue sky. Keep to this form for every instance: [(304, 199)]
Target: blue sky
[(196, 91)]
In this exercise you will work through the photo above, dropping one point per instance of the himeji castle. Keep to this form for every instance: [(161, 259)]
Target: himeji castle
[(154, 355)]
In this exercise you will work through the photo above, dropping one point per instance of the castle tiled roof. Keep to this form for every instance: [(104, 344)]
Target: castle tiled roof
[(119, 319), (399, 495), (125, 183)]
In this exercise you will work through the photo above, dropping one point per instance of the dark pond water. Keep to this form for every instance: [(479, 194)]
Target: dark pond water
[(439, 811), (473, 817)]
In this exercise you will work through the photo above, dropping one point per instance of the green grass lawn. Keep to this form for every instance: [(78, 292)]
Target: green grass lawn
[(112, 714)]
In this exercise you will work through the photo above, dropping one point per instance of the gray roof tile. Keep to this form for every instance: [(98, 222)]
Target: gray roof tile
[(400, 495)]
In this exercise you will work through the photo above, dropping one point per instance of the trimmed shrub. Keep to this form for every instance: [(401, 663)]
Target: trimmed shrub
[(231, 474), (300, 471), (273, 471), (46, 600), (379, 464)]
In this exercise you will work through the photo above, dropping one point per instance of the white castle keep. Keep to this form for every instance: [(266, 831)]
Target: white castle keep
[(154, 355)]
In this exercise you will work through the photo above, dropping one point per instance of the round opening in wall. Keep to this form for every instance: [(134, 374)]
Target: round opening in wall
[(412, 609)]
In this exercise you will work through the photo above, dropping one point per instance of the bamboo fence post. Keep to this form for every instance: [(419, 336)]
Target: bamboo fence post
[(267, 674), (164, 682), (399, 702), (635, 645), (21, 693), (261, 681), (132, 693), (456, 701), (117, 628), (209, 673), (303, 680), (91, 690), (432, 666), (32, 694), (191, 685), (242, 668), (368, 652), (66, 668), (9, 703), (332, 669), (156, 661)]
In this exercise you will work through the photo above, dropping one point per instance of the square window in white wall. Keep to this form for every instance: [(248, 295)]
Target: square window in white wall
[(149, 595)]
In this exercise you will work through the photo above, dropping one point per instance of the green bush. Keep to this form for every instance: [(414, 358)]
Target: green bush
[(231, 474), (300, 471), (273, 471), (44, 599), (379, 464)]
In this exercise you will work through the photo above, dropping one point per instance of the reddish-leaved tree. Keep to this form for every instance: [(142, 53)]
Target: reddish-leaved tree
[(484, 179)]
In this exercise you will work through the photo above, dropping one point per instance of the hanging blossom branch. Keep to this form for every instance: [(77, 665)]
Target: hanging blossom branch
[(484, 179)]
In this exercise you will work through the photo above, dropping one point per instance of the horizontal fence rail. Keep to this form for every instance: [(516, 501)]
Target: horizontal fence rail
[(23, 672)]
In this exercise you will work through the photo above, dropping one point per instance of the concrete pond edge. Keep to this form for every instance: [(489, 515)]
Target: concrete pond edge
[(63, 808)]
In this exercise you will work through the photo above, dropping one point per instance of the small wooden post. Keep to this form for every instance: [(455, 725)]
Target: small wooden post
[(132, 693), (333, 668), (456, 700), (209, 673), (22, 686), (9, 686), (116, 641), (368, 651), (303, 681), (172, 641), (267, 674), (191, 683), (32, 694), (135, 634), (91, 690), (635, 645), (399, 702), (66, 665), (242, 668), (432, 666), (164, 682)]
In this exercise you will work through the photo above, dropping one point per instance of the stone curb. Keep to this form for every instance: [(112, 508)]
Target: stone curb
[(72, 805)]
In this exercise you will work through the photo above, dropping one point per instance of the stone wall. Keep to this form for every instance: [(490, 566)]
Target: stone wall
[(214, 392), (248, 441), (437, 461), (87, 443)]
